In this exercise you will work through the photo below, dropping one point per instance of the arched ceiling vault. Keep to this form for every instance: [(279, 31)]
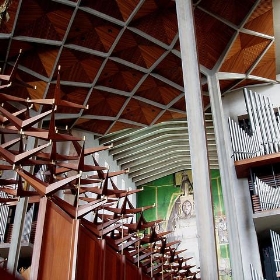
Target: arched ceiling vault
[(156, 151), (122, 59)]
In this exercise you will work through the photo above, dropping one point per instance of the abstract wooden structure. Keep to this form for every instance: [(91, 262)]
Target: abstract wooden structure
[(115, 241)]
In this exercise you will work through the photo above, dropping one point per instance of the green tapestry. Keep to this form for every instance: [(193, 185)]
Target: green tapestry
[(173, 198)]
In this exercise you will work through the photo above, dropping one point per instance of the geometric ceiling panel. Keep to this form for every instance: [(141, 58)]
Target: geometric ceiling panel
[(157, 91), (158, 19), (116, 9), (180, 104), (24, 92), (266, 67), (3, 50), (43, 19), (99, 126), (104, 103), (31, 93), (170, 68), (137, 50), (39, 57), (230, 10), (78, 66), (71, 94), (91, 32), (118, 76), (261, 19), (34, 93), (177, 45), (140, 112), (17, 45), (212, 37), (245, 51), (229, 84)]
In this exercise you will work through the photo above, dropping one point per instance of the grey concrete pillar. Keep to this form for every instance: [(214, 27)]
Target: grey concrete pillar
[(197, 140), (225, 171), (242, 236)]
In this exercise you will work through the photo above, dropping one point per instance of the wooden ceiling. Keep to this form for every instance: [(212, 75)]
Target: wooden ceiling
[(122, 57)]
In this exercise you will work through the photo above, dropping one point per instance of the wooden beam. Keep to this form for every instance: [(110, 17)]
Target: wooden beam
[(243, 166), (38, 238)]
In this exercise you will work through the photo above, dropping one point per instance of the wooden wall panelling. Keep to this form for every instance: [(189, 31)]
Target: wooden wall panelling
[(90, 256), (58, 252), (114, 264), (146, 277), (38, 238), (132, 271), (243, 166)]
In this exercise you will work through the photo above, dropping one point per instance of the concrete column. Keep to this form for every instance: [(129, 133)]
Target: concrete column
[(197, 140), (226, 174), (242, 237)]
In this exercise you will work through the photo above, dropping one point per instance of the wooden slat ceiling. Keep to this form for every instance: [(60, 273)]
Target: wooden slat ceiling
[(122, 59)]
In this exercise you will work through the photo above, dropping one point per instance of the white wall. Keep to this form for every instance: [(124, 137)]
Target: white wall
[(122, 181)]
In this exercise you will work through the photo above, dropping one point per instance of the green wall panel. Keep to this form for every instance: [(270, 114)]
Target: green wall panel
[(170, 194)]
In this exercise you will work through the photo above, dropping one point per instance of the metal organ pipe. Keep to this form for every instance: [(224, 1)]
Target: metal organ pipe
[(254, 274), (269, 196), (263, 139), (275, 239), (265, 132), (270, 119), (243, 145)]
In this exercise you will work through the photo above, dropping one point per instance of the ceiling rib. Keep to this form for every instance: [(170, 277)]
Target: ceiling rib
[(164, 147)]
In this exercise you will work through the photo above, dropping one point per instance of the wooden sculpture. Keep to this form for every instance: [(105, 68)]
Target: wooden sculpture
[(116, 226)]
